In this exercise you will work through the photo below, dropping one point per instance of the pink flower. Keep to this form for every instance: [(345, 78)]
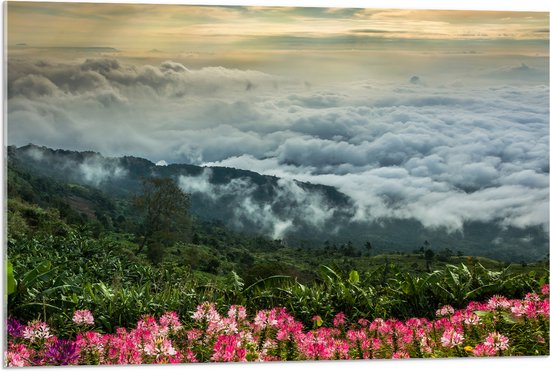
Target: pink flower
[(471, 319), (532, 297), (356, 335), (482, 350), (228, 349), (170, 321), (260, 320), (341, 349), (274, 316), (474, 305), (193, 334), (545, 289), (17, 356), (444, 311), (83, 317), (374, 343), (498, 302), (378, 324), (275, 335), (148, 324), (190, 357), (318, 344), (496, 341), (159, 348), (339, 319), (36, 330), (415, 322), (427, 344), (518, 309), (451, 338), (404, 333), (544, 308), (206, 311), (400, 355), (237, 312)]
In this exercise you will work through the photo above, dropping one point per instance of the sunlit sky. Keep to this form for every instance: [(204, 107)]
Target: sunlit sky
[(176, 28)]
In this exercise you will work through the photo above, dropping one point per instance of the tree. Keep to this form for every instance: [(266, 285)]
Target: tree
[(368, 246), (164, 211), (428, 256)]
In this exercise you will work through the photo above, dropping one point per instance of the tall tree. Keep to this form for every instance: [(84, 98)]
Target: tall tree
[(368, 246), (428, 256), (164, 211)]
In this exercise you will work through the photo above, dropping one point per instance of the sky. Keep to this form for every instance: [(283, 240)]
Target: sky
[(440, 116)]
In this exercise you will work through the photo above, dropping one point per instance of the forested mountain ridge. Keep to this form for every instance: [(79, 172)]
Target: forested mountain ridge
[(299, 214)]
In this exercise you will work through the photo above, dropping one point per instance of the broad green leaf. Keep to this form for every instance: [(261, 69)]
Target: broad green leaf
[(482, 313), (353, 277), (39, 272), (12, 283), (318, 321), (507, 318)]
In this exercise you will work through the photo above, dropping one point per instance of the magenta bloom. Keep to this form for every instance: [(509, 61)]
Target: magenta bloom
[(62, 353), (339, 319), (83, 317), (228, 349), (15, 328)]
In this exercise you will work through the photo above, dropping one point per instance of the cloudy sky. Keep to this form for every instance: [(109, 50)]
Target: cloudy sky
[(436, 115)]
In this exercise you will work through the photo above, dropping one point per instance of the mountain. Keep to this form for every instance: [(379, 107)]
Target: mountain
[(299, 214)]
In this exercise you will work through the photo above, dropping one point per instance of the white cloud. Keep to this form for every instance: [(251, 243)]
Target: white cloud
[(291, 204), (88, 167)]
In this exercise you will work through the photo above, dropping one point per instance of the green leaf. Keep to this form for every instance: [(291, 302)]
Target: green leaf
[(12, 283), (507, 318), (482, 313), (39, 272), (353, 277), (318, 322), (235, 281)]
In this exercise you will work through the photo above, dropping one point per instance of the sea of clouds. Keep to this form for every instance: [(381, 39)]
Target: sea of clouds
[(443, 153)]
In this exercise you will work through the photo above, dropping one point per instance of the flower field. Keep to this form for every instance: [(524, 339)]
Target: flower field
[(496, 327)]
